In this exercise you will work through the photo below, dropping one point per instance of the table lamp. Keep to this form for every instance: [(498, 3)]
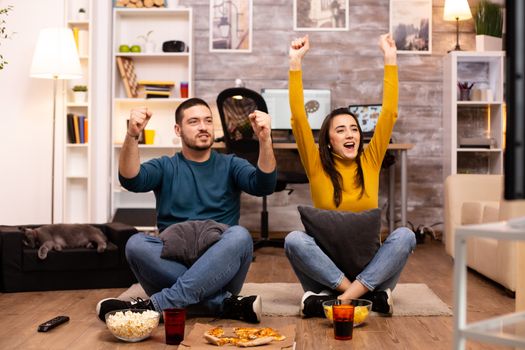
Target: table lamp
[(55, 57), (456, 10)]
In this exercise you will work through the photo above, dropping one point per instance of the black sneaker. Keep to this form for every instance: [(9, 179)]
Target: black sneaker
[(247, 309), (382, 301), (312, 303), (109, 304)]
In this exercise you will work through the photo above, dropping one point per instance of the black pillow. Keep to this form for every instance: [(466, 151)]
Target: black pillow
[(349, 239)]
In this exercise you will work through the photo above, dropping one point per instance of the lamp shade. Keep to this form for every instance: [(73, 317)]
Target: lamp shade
[(456, 10), (56, 55)]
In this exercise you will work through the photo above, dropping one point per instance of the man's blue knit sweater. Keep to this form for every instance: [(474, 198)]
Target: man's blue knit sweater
[(188, 190)]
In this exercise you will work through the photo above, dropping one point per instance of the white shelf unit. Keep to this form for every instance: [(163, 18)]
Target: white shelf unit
[(76, 184), (473, 119), (166, 24)]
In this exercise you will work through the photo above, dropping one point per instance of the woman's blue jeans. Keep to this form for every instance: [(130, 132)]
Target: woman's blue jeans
[(218, 274), (317, 272)]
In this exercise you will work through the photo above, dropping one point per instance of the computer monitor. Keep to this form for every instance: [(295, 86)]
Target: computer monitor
[(367, 115), (317, 105)]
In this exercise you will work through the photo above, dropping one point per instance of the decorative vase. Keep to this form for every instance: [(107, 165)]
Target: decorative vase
[(80, 96), (464, 94), (149, 47), (488, 43)]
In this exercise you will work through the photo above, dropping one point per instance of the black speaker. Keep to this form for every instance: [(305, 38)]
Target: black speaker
[(173, 46)]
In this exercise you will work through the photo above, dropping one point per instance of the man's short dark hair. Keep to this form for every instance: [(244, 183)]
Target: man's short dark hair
[(194, 101)]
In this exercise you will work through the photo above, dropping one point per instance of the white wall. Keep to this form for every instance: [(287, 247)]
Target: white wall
[(26, 117)]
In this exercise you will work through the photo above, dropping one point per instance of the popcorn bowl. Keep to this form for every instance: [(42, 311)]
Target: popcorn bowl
[(362, 309), (132, 325)]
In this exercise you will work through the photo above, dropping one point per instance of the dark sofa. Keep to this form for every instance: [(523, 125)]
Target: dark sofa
[(78, 268)]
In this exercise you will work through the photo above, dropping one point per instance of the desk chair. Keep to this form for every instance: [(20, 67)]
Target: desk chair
[(234, 105)]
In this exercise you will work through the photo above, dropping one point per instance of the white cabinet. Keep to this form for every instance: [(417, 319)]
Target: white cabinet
[(473, 128), (76, 183), (130, 26)]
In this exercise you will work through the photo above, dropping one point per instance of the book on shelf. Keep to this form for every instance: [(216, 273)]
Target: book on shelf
[(76, 128), (157, 88), (86, 130), (81, 119), (158, 94), (70, 128), (156, 82)]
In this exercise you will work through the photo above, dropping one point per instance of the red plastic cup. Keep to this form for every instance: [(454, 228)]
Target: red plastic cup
[(343, 313), (174, 322)]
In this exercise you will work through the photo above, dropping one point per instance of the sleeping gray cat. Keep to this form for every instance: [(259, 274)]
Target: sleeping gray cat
[(59, 236)]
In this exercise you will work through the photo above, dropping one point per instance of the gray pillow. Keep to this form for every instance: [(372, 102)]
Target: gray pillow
[(350, 239), (186, 241)]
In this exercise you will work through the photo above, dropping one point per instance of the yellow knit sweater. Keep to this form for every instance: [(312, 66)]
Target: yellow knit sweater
[(321, 188)]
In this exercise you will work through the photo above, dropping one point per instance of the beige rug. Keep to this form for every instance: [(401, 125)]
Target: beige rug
[(283, 299)]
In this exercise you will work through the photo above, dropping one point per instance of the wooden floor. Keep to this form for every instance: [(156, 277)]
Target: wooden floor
[(22, 312)]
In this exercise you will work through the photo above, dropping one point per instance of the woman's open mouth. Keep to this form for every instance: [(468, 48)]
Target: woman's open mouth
[(350, 145)]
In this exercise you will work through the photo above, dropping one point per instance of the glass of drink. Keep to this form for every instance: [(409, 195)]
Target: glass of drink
[(343, 313), (174, 321)]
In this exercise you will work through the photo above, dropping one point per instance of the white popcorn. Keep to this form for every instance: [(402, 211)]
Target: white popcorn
[(133, 325)]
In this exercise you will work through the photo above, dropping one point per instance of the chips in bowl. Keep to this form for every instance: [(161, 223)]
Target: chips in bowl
[(362, 309)]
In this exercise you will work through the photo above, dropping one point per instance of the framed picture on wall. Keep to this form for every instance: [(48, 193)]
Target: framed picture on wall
[(411, 25), (231, 25), (320, 15)]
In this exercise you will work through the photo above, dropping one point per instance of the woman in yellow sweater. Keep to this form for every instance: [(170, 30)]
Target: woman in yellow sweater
[(344, 176)]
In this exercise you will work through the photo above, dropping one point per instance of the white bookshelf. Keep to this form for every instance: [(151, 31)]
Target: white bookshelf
[(481, 117), (167, 24), (76, 181)]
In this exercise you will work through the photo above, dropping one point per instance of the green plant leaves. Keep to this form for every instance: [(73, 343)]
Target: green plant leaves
[(3, 32), (488, 19)]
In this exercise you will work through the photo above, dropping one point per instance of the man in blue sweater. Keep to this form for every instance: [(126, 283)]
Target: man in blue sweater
[(195, 184)]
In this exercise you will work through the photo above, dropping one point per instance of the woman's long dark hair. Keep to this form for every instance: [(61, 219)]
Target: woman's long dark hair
[(327, 158)]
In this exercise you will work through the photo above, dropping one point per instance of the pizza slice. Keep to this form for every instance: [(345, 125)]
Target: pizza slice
[(217, 337), (254, 333), (242, 336), (254, 342)]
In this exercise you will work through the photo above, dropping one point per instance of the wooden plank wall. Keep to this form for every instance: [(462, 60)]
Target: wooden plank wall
[(350, 64)]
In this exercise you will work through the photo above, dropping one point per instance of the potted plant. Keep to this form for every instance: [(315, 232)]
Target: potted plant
[(80, 93), (4, 34), (488, 21), (149, 45)]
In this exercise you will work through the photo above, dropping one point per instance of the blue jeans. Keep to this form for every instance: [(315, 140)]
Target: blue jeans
[(218, 274), (317, 272)]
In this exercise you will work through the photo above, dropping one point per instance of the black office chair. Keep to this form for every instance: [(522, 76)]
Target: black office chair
[(234, 105)]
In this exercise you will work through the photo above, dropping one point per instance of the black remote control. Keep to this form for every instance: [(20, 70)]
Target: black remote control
[(52, 323)]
